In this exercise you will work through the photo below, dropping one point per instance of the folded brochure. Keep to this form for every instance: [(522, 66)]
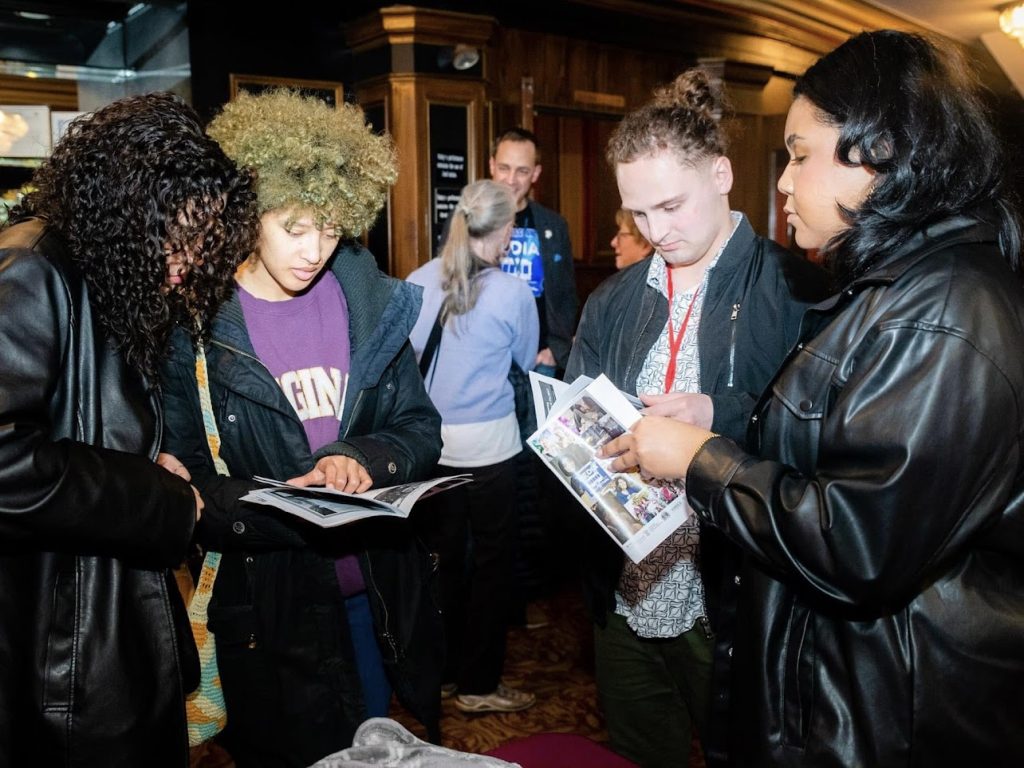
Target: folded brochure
[(575, 420), (328, 508)]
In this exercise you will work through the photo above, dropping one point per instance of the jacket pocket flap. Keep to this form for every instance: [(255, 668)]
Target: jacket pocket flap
[(806, 384)]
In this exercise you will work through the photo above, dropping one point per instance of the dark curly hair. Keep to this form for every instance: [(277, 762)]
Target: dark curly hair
[(128, 184), (684, 117), (910, 109)]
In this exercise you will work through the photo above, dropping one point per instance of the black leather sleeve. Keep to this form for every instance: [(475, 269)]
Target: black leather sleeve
[(57, 493), (894, 495)]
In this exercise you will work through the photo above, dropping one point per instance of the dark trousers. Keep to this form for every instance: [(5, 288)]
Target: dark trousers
[(653, 691), (472, 531)]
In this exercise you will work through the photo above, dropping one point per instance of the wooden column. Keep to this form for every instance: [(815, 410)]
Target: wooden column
[(410, 47)]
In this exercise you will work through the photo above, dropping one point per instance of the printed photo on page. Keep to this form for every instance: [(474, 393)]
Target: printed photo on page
[(638, 514), (550, 394), (328, 508)]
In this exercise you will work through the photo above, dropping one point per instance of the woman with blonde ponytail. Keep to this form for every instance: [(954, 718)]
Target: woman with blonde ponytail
[(488, 321)]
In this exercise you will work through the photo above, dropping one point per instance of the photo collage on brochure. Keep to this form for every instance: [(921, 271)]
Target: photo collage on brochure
[(637, 513)]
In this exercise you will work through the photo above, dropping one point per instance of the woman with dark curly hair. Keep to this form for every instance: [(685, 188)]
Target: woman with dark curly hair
[(879, 503), (313, 380), (136, 223)]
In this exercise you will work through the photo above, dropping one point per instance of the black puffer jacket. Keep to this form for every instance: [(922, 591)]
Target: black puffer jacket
[(95, 649), (882, 613), (285, 657)]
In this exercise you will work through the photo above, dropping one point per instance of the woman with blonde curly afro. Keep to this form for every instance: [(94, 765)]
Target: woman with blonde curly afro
[(313, 381)]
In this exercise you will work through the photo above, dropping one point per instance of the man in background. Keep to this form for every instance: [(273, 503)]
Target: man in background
[(540, 251)]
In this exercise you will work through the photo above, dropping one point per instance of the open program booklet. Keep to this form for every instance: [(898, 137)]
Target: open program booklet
[(575, 420), (328, 508)]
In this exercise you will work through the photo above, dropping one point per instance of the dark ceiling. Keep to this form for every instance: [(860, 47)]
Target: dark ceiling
[(61, 32)]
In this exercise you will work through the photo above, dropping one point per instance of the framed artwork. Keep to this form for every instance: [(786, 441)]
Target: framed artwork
[(328, 91), (59, 120), (24, 131)]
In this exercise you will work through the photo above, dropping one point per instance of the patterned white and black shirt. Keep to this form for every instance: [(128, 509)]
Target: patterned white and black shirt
[(663, 595)]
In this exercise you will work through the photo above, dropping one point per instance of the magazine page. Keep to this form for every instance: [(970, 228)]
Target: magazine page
[(638, 514), (545, 390), (551, 394), (328, 508)]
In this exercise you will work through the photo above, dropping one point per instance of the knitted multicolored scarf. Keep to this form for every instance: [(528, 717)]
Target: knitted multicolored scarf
[(205, 709)]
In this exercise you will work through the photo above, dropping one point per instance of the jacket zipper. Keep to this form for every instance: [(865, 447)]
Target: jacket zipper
[(355, 405), (732, 343), (243, 353), (384, 607)]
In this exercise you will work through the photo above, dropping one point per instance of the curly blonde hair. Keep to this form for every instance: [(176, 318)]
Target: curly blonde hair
[(309, 156)]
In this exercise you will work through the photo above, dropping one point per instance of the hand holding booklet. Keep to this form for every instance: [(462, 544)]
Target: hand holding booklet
[(575, 420), (328, 508)]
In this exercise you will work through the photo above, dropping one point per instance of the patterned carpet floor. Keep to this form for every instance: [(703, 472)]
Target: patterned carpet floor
[(555, 662)]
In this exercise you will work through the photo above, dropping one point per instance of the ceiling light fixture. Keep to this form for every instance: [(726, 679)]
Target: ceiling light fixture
[(466, 57), (1011, 21), (458, 57)]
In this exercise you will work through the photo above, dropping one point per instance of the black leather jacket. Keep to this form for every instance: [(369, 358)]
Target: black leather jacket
[(277, 612), (95, 650), (882, 613)]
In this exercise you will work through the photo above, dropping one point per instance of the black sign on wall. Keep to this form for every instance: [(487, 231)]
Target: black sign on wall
[(449, 150)]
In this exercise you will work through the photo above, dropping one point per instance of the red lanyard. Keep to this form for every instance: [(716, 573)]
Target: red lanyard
[(675, 341)]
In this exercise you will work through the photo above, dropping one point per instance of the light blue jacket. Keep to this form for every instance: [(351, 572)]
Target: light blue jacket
[(468, 379)]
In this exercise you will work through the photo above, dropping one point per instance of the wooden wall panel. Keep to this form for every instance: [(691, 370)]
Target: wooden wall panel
[(41, 91), (572, 178), (407, 100), (409, 209), (560, 66)]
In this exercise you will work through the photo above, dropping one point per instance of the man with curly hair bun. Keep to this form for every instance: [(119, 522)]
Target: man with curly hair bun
[(313, 381), (696, 331), (136, 224)]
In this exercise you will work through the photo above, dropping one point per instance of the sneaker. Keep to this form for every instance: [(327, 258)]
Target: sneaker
[(504, 699), (448, 690)]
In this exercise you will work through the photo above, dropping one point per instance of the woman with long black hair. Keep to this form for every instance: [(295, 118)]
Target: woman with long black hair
[(879, 506)]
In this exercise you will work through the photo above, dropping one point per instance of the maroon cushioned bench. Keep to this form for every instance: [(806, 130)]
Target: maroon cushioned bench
[(559, 750)]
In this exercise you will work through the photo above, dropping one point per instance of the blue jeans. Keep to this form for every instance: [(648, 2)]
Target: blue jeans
[(369, 663), (545, 370)]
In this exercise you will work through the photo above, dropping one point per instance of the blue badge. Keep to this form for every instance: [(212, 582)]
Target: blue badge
[(524, 260)]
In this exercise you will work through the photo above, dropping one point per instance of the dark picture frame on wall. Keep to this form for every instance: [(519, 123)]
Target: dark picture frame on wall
[(328, 91)]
